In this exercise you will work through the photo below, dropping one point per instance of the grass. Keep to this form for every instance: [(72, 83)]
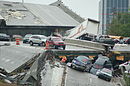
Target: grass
[(127, 79)]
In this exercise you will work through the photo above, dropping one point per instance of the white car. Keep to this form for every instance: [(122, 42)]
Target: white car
[(105, 74), (125, 66), (37, 39)]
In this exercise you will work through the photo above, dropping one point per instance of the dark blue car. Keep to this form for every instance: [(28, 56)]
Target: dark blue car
[(82, 63)]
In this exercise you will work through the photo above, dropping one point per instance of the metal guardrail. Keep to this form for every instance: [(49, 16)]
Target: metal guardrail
[(86, 44)]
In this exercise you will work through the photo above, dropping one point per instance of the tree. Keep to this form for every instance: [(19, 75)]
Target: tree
[(120, 25)]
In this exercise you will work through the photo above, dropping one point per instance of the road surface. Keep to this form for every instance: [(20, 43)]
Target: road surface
[(13, 56), (79, 78)]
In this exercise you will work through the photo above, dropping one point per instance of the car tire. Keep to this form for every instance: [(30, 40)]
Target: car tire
[(43, 44), (64, 47), (39, 44), (73, 67), (56, 47), (31, 43), (99, 76), (108, 79)]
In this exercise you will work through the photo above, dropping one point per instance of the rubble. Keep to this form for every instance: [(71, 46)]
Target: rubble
[(52, 74), (15, 14)]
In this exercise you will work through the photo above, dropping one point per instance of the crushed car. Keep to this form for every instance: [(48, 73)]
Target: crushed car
[(100, 63), (82, 63), (105, 74)]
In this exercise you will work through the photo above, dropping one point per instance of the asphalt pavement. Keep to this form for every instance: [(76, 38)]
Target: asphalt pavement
[(14, 56), (79, 78)]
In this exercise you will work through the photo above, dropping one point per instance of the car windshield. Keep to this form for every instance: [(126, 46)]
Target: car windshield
[(27, 36), (97, 66), (83, 59), (42, 37), (107, 71)]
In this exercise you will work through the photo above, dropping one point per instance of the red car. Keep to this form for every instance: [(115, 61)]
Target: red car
[(56, 42)]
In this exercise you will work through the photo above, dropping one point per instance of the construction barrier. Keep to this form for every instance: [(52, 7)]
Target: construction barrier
[(17, 41), (47, 45), (64, 59)]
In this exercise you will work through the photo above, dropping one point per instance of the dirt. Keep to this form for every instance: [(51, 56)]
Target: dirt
[(5, 84)]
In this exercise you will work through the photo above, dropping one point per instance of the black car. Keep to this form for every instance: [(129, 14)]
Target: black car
[(105, 39), (4, 37), (26, 38), (82, 63), (99, 64), (105, 74)]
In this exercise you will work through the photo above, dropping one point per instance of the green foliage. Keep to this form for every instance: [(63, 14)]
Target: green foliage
[(120, 25), (127, 79)]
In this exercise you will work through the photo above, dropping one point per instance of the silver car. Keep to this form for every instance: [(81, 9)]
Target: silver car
[(37, 39), (105, 74)]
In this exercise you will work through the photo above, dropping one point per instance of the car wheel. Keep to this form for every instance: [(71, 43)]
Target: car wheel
[(31, 43), (73, 67), (109, 80), (56, 47), (63, 47), (43, 44), (39, 44), (99, 76)]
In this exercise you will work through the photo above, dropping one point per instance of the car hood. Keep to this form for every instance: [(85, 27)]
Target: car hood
[(43, 40), (105, 73), (79, 62), (57, 42)]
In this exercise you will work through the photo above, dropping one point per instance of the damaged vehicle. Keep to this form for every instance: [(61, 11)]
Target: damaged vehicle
[(82, 63), (100, 63), (105, 74)]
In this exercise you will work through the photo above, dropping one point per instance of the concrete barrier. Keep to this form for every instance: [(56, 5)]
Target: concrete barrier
[(85, 44)]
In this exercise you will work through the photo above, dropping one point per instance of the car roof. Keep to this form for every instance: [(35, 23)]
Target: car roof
[(28, 34), (39, 35), (53, 37), (101, 60), (84, 57)]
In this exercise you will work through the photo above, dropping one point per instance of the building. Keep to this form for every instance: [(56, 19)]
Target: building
[(108, 9), (25, 18)]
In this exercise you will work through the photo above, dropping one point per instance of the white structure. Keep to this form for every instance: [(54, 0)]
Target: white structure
[(87, 27)]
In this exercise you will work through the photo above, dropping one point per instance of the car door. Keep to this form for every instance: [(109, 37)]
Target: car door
[(34, 39), (37, 39), (50, 42)]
